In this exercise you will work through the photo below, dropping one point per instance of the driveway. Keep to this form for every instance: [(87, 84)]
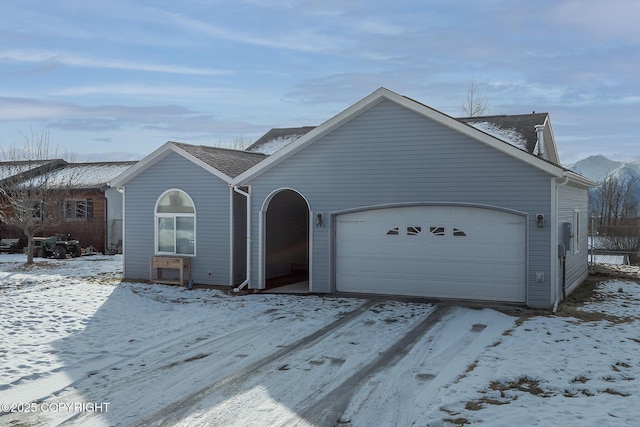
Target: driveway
[(162, 355)]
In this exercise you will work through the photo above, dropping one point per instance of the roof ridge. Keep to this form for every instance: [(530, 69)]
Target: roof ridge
[(212, 147)]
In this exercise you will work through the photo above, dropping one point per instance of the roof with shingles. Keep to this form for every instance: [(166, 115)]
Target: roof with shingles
[(90, 175), (517, 129), (277, 138), (228, 161), (20, 169), (522, 124)]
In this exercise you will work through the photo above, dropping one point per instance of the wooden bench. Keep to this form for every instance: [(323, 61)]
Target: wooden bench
[(183, 264)]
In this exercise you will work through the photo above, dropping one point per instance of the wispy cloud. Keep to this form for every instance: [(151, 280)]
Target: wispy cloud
[(26, 109), (74, 60), (302, 39)]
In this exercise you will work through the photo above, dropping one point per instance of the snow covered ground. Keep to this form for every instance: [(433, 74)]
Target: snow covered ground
[(80, 347)]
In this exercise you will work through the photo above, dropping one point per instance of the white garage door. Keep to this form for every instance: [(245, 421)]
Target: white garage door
[(434, 251)]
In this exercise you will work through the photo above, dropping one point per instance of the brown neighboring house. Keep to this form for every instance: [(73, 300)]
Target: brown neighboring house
[(92, 211)]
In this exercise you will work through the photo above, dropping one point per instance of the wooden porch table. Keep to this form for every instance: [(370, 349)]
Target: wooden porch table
[(183, 264)]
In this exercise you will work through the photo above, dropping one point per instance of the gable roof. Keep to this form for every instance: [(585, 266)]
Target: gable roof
[(224, 163), (518, 130), (383, 94), (277, 138)]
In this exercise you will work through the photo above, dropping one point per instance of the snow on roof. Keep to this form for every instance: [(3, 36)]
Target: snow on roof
[(509, 135), (277, 138), (276, 144), (8, 169), (87, 175)]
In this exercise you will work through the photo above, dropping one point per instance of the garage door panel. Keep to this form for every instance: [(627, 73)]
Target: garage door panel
[(434, 251)]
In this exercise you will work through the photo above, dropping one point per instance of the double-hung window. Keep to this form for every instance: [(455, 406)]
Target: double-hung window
[(175, 224)]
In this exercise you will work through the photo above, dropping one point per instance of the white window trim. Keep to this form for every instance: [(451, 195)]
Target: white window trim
[(157, 215)]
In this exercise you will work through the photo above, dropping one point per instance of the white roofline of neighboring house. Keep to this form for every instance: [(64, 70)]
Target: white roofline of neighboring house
[(157, 155), (373, 99)]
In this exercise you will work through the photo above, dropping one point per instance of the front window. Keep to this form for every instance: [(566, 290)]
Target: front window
[(77, 209), (175, 224)]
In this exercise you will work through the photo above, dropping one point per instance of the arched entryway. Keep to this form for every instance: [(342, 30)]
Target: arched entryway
[(286, 241)]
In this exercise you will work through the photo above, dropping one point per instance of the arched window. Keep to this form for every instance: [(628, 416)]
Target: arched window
[(175, 224)]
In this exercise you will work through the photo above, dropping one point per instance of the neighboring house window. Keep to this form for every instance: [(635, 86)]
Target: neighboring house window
[(576, 231), (175, 219), (77, 209)]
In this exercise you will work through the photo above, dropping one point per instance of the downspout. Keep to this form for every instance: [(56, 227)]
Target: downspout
[(102, 192), (247, 279), (555, 231), (124, 258)]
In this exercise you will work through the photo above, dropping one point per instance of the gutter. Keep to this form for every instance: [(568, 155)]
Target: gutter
[(558, 295), (247, 279)]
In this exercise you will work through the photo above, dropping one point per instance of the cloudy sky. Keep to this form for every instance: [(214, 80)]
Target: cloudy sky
[(116, 79)]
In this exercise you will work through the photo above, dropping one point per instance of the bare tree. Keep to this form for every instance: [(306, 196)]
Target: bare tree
[(614, 202), (475, 105), (240, 143), (33, 188), (616, 209)]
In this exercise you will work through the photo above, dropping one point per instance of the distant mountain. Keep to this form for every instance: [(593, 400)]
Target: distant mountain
[(598, 168)]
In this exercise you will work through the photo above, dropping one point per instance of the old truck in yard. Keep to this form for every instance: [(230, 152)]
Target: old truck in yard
[(58, 247)]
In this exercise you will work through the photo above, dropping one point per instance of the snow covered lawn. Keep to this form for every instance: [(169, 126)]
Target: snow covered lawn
[(80, 347)]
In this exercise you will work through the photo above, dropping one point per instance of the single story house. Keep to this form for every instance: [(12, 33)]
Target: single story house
[(90, 211), (389, 196)]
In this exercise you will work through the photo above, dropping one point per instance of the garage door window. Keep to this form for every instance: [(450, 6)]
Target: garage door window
[(459, 233), (437, 231), (175, 224), (414, 230)]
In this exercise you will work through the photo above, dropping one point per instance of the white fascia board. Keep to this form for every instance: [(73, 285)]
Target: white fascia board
[(155, 157), (373, 99), (578, 179)]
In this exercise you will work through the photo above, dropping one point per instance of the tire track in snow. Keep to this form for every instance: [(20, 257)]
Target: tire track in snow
[(436, 360), (327, 410), (172, 414)]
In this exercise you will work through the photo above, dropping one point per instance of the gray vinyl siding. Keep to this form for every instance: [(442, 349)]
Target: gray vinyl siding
[(211, 198), (571, 198), (390, 154)]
